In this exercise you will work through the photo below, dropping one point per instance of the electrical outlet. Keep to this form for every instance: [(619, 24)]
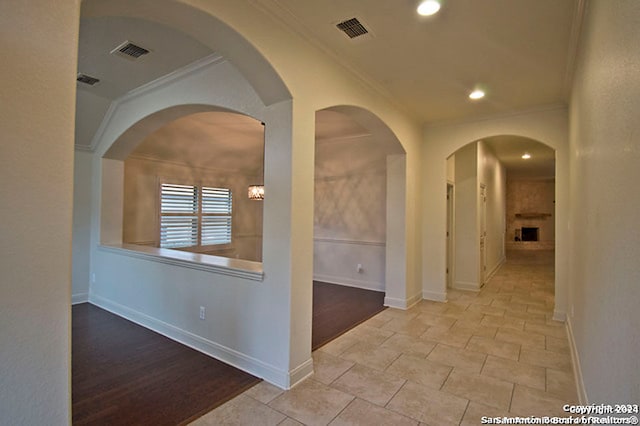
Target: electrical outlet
[(359, 268), (93, 277), (202, 313)]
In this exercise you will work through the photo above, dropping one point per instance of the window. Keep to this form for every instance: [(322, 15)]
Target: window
[(194, 215)]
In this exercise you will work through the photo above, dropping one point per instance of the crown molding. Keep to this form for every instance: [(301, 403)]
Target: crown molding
[(532, 110), (277, 11), (574, 46), (156, 84)]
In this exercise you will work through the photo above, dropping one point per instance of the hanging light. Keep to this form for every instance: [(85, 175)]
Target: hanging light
[(256, 192), (526, 156)]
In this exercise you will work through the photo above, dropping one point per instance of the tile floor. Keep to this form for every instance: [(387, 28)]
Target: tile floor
[(492, 353)]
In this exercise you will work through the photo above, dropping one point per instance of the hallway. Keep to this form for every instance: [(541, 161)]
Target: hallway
[(492, 353)]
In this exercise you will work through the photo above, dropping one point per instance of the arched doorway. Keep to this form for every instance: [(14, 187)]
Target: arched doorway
[(498, 187), (359, 206)]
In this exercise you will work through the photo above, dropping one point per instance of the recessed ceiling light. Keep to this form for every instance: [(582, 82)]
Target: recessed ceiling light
[(428, 7), (526, 156), (476, 94)]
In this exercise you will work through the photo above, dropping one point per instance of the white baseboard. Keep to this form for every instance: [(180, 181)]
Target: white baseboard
[(434, 296), (403, 304), (366, 285), (278, 377), (575, 361), (495, 268), (79, 298), (559, 316), (466, 285)]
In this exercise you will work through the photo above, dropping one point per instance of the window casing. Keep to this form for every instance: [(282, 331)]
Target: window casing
[(194, 216)]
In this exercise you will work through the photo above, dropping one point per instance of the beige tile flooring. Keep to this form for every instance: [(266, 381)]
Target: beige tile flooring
[(492, 353)]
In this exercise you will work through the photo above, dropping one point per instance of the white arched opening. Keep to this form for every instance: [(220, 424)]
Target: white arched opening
[(360, 204)]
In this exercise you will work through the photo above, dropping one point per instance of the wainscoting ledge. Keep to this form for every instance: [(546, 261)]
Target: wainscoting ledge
[(220, 265)]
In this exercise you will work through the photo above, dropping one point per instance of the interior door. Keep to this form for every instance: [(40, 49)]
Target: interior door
[(449, 235), (483, 234)]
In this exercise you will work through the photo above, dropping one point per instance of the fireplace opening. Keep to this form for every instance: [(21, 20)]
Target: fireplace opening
[(530, 234)]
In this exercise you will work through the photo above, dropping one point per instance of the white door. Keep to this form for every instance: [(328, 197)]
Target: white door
[(449, 235), (483, 234)]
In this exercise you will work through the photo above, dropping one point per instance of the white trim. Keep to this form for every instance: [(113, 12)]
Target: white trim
[(166, 79), (575, 361), (79, 298), (498, 116), (97, 137), (559, 316), (403, 304), (83, 148), (354, 242), (466, 285), (366, 285), (269, 373), (152, 85), (495, 268), (300, 373), (202, 262), (218, 170), (434, 296)]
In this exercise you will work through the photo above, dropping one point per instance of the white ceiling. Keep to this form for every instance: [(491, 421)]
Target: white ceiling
[(210, 140), (509, 149), (170, 50), (520, 51)]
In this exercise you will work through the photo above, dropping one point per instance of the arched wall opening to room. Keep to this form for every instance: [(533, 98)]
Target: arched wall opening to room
[(359, 212)]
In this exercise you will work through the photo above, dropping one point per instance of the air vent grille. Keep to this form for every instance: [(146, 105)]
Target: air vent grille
[(130, 50), (352, 28), (87, 79)]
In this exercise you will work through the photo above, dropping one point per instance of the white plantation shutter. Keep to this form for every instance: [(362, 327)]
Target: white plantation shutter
[(192, 216), (216, 216), (178, 215)]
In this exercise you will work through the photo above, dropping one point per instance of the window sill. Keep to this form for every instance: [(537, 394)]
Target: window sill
[(203, 262)]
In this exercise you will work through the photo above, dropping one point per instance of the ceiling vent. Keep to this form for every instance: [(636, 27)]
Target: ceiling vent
[(130, 50), (353, 28), (87, 79)]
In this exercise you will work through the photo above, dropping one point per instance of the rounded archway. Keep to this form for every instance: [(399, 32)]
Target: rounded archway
[(548, 125), (497, 188), (360, 204), (206, 27)]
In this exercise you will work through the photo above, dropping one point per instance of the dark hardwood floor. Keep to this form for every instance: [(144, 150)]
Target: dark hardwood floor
[(124, 374), (337, 309)]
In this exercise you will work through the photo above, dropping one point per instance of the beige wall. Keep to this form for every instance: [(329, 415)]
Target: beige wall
[(526, 197), (605, 206), (36, 162), (142, 178)]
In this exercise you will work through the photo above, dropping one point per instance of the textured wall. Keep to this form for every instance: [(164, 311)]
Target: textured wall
[(350, 213), (605, 206), (38, 40)]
